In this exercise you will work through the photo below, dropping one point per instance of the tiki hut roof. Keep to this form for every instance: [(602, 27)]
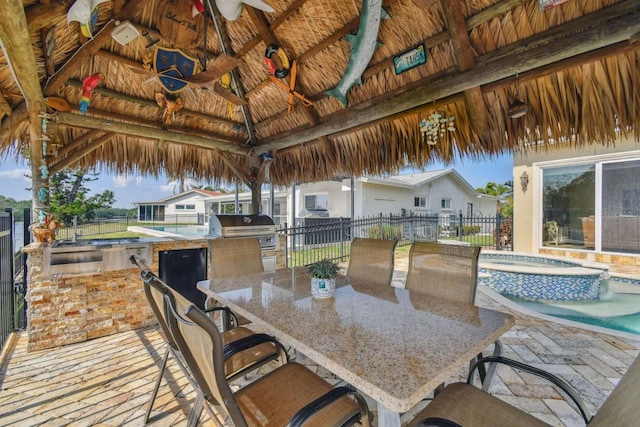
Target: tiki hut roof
[(575, 66)]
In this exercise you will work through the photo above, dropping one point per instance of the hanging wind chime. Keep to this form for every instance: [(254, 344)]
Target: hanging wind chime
[(437, 126)]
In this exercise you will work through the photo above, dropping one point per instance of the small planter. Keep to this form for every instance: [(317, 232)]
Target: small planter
[(322, 288), (323, 278)]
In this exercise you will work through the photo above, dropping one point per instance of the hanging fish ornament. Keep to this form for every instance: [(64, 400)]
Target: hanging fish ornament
[(363, 45), (88, 84)]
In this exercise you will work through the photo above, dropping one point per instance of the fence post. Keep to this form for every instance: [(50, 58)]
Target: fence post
[(380, 216), (498, 224), (460, 226), (342, 234)]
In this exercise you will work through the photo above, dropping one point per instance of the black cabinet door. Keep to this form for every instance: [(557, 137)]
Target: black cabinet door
[(181, 269)]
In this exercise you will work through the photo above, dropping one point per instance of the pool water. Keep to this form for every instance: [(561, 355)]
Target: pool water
[(185, 230), (618, 309)]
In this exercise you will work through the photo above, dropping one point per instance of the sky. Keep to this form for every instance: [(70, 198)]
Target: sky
[(133, 188)]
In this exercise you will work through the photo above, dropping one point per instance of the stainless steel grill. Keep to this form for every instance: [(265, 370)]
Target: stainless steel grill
[(236, 226)]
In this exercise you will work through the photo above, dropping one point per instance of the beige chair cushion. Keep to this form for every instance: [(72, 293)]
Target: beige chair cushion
[(235, 257), (371, 260), (273, 399), (243, 361), (443, 271), (472, 407), (246, 360)]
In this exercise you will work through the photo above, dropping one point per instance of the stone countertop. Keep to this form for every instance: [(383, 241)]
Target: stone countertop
[(391, 344)]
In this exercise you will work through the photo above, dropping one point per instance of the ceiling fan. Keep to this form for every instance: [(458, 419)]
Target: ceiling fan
[(208, 79)]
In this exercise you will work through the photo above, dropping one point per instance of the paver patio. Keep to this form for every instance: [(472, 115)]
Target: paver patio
[(107, 381)]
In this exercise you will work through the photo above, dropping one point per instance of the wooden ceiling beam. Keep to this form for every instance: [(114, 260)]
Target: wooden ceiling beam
[(88, 49), (624, 15), (465, 60), (126, 118), (75, 156), (152, 104), (78, 142), (41, 15), (18, 115), (575, 61), (87, 122)]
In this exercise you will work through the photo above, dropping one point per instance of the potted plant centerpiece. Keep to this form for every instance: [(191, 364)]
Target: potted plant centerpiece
[(323, 278)]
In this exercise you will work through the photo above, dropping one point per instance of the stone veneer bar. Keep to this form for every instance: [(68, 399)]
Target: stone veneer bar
[(73, 309)]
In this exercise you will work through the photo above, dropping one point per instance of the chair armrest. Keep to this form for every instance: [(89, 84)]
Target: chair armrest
[(325, 400), (249, 342), (557, 381), (234, 318)]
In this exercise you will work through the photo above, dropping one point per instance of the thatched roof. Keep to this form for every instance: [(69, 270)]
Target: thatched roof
[(576, 66)]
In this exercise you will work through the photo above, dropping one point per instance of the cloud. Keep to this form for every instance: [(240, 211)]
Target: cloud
[(168, 188), (16, 174), (120, 181)]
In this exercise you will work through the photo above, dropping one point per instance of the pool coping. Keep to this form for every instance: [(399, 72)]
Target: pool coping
[(511, 305)]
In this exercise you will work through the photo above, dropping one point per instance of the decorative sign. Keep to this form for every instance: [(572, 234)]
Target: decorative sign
[(171, 63), (176, 23), (548, 4), (409, 59)]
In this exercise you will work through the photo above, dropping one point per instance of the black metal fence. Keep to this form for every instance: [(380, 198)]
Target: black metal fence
[(330, 237), (7, 301)]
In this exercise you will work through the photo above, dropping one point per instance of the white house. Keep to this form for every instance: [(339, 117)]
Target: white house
[(442, 192), (190, 207), (583, 203)]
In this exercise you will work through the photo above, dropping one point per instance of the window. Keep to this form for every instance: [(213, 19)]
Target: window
[(568, 196), (316, 202), (469, 210), (445, 203), (419, 202), (151, 213), (620, 219), (571, 195), (185, 207)]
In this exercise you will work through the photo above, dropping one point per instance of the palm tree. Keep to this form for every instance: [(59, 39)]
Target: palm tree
[(502, 191)]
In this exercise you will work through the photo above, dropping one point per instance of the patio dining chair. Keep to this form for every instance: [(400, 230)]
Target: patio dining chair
[(232, 258), (462, 404), (449, 272), (258, 349), (371, 261), (290, 395), (444, 271)]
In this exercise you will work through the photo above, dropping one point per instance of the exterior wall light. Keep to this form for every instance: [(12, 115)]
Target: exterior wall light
[(524, 181)]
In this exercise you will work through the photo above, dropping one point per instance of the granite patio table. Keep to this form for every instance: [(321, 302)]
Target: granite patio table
[(394, 345)]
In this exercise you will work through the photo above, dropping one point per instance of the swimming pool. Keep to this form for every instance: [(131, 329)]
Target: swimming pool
[(180, 231), (619, 311), (540, 277), (527, 280)]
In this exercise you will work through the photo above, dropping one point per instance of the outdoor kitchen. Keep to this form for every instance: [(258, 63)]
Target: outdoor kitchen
[(84, 289)]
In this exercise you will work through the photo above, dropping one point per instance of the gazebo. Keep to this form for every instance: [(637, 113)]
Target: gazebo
[(304, 90)]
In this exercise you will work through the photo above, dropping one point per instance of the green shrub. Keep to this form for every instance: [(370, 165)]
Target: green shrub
[(389, 232)]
